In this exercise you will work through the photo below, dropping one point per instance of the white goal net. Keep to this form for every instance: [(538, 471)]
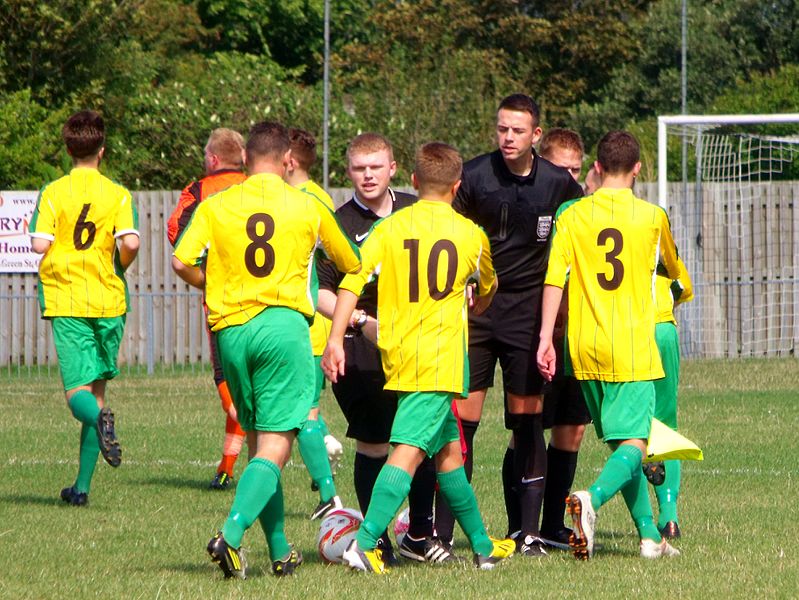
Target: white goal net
[(730, 185)]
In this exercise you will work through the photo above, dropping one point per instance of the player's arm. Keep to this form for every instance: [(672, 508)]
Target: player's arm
[(682, 289), (487, 282), (557, 272), (550, 303), (347, 298), (128, 249), (338, 247), (668, 249), (191, 249), (126, 229)]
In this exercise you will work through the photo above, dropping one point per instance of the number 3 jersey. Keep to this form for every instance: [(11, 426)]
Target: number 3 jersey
[(608, 244), (258, 239), (82, 214), (423, 256)]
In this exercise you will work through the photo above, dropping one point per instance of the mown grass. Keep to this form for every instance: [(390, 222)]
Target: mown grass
[(144, 532)]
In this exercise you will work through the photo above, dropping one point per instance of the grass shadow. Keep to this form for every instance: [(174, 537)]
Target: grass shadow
[(53, 500)]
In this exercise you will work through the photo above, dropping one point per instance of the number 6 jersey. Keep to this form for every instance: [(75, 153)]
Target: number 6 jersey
[(258, 238), (608, 245), (424, 255), (82, 214)]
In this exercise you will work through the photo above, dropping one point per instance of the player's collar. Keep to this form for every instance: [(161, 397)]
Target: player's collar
[(365, 208)]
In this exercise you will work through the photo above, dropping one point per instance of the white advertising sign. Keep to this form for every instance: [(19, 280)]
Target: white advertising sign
[(16, 211)]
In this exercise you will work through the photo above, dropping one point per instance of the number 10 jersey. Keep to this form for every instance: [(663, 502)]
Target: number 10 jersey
[(608, 245), (423, 256)]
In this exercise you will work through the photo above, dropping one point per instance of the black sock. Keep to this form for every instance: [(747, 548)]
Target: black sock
[(511, 494), (365, 472), (529, 469), (445, 520), (561, 466), (420, 500), (469, 429)]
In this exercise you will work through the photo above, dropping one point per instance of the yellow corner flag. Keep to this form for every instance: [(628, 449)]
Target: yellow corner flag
[(667, 444)]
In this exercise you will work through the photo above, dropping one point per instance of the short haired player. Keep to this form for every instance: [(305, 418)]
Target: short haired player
[(85, 225), (426, 253), (609, 244), (224, 166), (257, 239)]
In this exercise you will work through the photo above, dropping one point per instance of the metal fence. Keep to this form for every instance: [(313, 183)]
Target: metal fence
[(744, 262)]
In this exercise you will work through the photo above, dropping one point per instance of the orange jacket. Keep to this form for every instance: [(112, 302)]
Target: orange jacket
[(196, 192)]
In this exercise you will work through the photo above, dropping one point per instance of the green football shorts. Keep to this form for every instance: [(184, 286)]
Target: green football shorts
[(269, 369), (319, 381), (87, 348), (668, 342), (620, 410), (425, 420)]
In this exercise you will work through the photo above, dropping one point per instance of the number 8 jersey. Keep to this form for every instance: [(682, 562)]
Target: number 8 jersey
[(608, 245), (82, 214), (258, 238), (423, 256)]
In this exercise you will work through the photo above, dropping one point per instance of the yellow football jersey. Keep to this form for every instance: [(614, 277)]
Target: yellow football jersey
[(82, 214), (609, 244), (258, 238), (423, 256), (669, 293), (320, 329)]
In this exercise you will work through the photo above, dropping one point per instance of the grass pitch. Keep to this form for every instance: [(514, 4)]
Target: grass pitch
[(144, 532)]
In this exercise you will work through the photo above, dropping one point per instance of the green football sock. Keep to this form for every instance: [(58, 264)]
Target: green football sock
[(390, 490), (618, 471), (314, 454), (89, 450), (256, 487), (272, 520), (84, 407), (322, 426), (668, 492), (636, 496), (459, 495)]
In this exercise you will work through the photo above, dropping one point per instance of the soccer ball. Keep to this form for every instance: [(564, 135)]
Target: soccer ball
[(401, 526), (337, 530)]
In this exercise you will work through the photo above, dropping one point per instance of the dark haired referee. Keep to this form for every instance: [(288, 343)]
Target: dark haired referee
[(513, 194)]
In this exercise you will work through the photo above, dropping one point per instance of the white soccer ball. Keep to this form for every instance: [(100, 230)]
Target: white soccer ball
[(337, 530), (401, 526)]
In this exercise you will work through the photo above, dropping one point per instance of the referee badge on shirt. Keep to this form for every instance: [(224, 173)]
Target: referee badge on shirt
[(544, 227)]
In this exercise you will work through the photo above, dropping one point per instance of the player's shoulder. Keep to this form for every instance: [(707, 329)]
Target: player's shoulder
[(569, 204)]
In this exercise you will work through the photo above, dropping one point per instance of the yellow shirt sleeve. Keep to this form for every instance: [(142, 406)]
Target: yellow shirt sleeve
[(668, 249), (196, 238), (371, 257), (126, 220), (485, 266), (335, 242), (559, 256), (44, 221)]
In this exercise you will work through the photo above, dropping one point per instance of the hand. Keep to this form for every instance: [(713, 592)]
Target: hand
[(333, 361), (545, 359), (231, 412), (470, 294)]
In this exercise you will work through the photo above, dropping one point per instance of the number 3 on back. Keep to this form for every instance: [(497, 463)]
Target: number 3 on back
[(614, 235)]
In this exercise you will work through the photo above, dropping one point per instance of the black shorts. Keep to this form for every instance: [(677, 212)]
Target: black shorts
[(368, 408), (508, 331), (563, 398)]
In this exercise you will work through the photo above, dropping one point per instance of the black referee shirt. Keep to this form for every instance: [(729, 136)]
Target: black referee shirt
[(516, 213), (357, 219)]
